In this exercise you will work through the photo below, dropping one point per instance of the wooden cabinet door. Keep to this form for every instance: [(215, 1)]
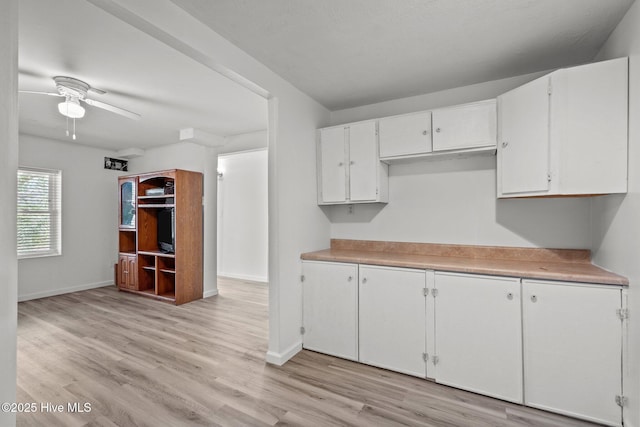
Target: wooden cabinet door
[(465, 126), (573, 349), (393, 319), (132, 279), (523, 144), (123, 266), (330, 308), (123, 271), (363, 162), (479, 334), (333, 167), (405, 135)]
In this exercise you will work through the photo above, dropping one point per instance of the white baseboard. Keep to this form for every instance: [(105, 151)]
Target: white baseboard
[(53, 292), (210, 293), (245, 277), (281, 358)]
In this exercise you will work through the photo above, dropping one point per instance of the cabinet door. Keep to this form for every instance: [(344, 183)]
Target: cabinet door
[(589, 104), (332, 165), (123, 267), (363, 162), (573, 349), (132, 268), (405, 135), (523, 146), (393, 319), (330, 308), (479, 334), (465, 126), (128, 195)]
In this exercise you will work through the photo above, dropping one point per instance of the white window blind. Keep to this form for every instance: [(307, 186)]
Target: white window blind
[(39, 212)]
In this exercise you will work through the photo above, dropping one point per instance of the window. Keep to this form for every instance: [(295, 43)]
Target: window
[(39, 212)]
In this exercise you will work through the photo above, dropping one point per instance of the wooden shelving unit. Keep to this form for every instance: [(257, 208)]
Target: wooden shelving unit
[(172, 277)]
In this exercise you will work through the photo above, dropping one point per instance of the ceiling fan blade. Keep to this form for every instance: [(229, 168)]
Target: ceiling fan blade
[(40, 93), (98, 91), (113, 109)]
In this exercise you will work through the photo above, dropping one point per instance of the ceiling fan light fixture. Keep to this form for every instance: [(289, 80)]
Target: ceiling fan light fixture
[(71, 108)]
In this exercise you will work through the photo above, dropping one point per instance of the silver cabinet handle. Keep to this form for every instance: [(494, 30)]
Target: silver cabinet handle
[(509, 296), (534, 298), (364, 280), (425, 132), (350, 278), (438, 130), (352, 162), (504, 144), (340, 164)]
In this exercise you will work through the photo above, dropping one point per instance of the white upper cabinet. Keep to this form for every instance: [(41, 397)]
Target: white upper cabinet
[(409, 134), (349, 170), (565, 133), (465, 126), (333, 178), (524, 129), (363, 161)]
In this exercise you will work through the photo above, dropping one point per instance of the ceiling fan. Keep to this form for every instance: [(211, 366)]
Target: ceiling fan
[(75, 91)]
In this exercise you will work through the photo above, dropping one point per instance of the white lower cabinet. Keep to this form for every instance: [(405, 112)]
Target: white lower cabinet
[(550, 345), (393, 319), (573, 349), (330, 308), (479, 334)]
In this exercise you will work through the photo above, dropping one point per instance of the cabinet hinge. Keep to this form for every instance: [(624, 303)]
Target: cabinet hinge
[(425, 356), (302, 330), (302, 278), (435, 359), (434, 292), (549, 90), (623, 313), (621, 401), (425, 291), (548, 177)]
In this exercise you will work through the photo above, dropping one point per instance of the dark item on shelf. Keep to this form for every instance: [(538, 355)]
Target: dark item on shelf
[(168, 188)]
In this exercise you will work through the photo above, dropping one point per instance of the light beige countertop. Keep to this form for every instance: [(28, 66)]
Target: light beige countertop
[(571, 265)]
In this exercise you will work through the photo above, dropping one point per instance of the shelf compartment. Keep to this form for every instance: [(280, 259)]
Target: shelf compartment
[(146, 273), (127, 241)]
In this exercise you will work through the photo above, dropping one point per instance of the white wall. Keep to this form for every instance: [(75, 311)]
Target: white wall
[(616, 219), (245, 142), (197, 158), (454, 201), (243, 226), (296, 224), (89, 220), (8, 178)]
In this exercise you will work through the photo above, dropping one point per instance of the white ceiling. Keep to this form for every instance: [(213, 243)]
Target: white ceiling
[(140, 74), (343, 53), (347, 53)]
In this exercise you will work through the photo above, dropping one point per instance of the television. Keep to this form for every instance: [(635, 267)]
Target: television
[(167, 230)]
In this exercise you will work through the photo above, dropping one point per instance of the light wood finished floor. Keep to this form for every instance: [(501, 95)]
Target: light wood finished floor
[(141, 362)]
